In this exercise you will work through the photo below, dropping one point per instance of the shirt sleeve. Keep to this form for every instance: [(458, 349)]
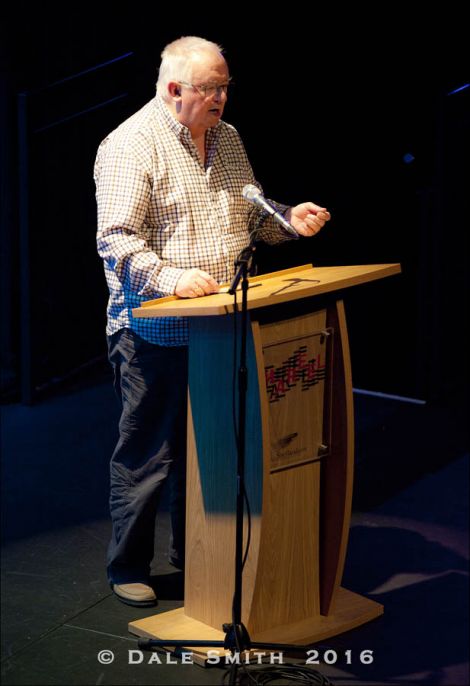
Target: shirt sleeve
[(268, 230), (123, 190)]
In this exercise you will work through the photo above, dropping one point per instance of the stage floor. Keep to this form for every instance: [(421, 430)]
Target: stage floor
[(408, 549)]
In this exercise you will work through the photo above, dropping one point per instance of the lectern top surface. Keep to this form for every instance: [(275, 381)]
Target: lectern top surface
[(270, 289)]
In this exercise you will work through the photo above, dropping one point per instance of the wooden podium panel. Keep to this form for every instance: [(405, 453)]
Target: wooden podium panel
[(299, 460), (287, 585), (211, 475)]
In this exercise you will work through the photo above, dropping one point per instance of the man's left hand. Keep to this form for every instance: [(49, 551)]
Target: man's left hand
[(307, 218)]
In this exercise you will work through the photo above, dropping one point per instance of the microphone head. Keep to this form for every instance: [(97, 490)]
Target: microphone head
[(250, 192)]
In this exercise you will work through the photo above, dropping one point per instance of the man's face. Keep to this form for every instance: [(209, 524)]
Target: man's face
[(200, 109)]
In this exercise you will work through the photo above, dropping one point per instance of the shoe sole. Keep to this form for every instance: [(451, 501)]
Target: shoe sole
[(136, 603)]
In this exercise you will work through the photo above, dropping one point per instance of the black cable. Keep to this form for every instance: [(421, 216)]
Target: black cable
[(234, 374), (248, 533), (295, 674)]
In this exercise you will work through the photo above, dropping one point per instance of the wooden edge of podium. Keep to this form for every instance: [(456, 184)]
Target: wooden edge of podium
[(170, 298), (350, 611), (338, 474)]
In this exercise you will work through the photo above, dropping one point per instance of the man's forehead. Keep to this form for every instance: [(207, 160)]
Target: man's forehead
[(209, 64)]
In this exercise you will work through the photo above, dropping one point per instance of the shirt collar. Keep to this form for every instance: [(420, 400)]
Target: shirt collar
[(180, 130)]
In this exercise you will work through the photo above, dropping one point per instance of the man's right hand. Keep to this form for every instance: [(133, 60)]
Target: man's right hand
[(194, 283)]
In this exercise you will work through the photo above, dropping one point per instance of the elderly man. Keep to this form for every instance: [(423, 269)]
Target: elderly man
[(171, 220)]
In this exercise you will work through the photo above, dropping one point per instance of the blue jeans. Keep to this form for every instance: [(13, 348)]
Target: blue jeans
[(151, 384)]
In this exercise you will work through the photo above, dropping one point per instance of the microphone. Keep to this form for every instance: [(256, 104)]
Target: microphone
[(253, 195)]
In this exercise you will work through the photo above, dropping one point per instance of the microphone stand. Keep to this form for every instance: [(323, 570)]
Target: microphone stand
[(236, 633), (237, 638)]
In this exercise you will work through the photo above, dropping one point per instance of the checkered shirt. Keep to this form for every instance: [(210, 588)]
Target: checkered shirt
[(161, 212)]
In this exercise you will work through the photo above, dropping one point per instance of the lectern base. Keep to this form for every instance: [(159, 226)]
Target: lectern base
[(351, 610)]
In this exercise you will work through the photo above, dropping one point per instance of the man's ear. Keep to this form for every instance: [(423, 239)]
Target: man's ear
[(174, 89)]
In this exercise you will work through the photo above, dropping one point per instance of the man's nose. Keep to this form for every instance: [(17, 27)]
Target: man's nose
[(220, 94)]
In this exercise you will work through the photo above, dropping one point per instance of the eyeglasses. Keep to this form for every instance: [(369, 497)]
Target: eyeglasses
[(207, 90)]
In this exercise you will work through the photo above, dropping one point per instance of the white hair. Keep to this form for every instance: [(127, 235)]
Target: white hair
[(178, 58)]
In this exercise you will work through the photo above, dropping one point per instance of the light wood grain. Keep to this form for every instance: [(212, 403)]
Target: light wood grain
[(267, 294), (350, 611), (287, 582), (225, 286)]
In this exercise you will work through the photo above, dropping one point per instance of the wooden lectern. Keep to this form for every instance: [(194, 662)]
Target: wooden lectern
[(298, 464)]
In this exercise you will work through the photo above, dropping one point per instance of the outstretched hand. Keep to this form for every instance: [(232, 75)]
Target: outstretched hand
[(307, 218)]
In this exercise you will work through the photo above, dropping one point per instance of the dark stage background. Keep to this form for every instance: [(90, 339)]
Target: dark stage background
[(363, 110), (371, 122)]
